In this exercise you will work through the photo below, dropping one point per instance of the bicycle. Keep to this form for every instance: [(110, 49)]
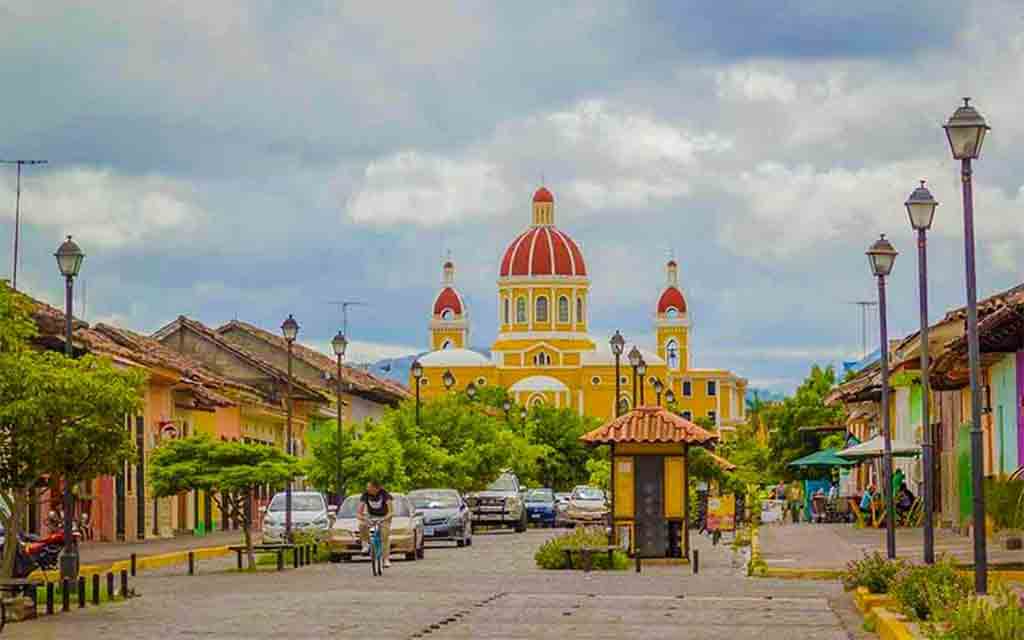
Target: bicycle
[(376, 549)]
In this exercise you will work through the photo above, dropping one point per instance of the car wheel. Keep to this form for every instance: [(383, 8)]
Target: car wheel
[(461, 542), (420, 552), (335, 558), (521, 525), (346, 557), (411, 556)]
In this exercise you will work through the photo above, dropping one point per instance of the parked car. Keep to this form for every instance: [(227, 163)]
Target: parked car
[(587, 505), (406, 530), (540, 507), (561, 504), (499, 504), (310, 515), (445, 515)]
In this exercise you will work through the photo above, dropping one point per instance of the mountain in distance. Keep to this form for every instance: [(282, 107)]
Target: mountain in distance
[(397, 369)]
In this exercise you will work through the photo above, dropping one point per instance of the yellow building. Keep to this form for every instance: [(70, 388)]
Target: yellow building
[(543, 353)]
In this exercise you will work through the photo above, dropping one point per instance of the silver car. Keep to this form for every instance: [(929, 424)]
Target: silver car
[(310, 516)]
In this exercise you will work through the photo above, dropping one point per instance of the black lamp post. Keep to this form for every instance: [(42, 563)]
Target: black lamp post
[(471, 391), (417, 375), (634, 361), (618, 343), (921, 210), (69, 261), (641, 372), (881, 257), (966, 130), (658, 388), (339, 344), (448, 379), (290, 329)]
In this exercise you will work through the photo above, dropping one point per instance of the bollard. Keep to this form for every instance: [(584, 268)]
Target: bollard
[(81, 592), (191, 563), (309, 554), (124, 584), (65, 595), (637, 556), (280, 560), (133, 565), (96, 588), (49, 598), (110, 585), (295, 557), (696, 561)]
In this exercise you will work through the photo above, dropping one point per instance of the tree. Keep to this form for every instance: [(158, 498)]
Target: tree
[(805, 408), (558, 430), (228, 471), (59, 416)]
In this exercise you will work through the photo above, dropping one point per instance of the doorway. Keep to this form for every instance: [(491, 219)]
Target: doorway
[(651, 538)]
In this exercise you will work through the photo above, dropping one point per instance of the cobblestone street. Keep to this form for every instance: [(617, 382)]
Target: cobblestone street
[(490, 590)]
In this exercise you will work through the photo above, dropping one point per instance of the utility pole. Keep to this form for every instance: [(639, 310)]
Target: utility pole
[(865, 307), (17, 213)]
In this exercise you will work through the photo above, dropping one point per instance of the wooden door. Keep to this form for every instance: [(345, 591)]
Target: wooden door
[(651, 533)]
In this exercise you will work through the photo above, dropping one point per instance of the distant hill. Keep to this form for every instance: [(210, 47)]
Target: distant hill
[(397, 369)]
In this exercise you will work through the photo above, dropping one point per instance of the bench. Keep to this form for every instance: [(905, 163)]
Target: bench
[(587, 555), (279, 549)]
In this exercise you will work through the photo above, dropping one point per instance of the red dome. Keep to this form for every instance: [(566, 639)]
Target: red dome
[(672, 298), (543, 195), (543, 251), (448, 299)]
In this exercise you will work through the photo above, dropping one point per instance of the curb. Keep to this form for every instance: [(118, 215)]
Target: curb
[(890, 625), (866, 601), (158, 561)]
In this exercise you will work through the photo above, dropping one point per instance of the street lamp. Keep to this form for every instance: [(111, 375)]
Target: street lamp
[(921, 210), (658, 388), (506, 406), (634, 361), (471, 391), (290, 330), (641, 371), (417, 375), (448, 379), (881, 257), (339, 344), (522, 414), (966, 130), (618, 343), (69, 261)]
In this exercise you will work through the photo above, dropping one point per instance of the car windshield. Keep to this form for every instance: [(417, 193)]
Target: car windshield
[(588, 493), (351, 504), (434, 499), (505, 482), (300, 502), (540, 495)]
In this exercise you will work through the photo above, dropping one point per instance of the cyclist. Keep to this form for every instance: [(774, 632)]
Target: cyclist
[(376, 504)]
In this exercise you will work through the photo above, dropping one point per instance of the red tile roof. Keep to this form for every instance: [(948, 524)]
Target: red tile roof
[(650, 424)]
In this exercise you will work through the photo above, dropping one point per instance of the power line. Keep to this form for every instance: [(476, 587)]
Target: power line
[(17, 213), (864, 306)]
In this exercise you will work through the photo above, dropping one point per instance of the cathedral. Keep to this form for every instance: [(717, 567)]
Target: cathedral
[(543, 353)]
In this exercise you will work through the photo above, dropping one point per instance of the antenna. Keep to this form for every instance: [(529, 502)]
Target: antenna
[(864, 306), (343, 305), (17, 213)]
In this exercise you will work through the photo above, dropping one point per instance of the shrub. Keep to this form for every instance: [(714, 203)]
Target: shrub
[(1000, 617), (874, 571), (1004, 502), (921, 590), (550, 555)]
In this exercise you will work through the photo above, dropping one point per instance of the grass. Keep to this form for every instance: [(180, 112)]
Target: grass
[(73, 595), (267, 559)]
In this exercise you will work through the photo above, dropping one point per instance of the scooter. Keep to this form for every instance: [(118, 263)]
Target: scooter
[(38, 553)]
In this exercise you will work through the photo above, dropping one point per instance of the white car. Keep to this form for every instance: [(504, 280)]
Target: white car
[(310, 515)]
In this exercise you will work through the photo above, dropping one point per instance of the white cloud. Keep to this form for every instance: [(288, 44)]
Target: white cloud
[(360, 351), (749, 83), (105, 209)]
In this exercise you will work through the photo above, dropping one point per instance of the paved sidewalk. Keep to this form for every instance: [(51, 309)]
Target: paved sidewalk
[(109, 552), (831, 546)]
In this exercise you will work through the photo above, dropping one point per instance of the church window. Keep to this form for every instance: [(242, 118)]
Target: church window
[(542, 309), (480, 382), (508, 316), (687, 415), (623, 380), (672, 351), (671, 312), (579, 309), (537, 401), (623, 404), (541, 359), (687, 388), (563, 309), (447, 314), (713, 417), (521, 310)]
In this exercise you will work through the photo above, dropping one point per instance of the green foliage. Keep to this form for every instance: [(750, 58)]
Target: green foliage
[(803, 409), (1000, 617), (564, 461), (874, 571), (1004, 502), (600, 472), (919, 589), (551, 554), (16, 325)]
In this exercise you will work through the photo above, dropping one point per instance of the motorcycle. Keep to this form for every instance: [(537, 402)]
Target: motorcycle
[(36, 552)]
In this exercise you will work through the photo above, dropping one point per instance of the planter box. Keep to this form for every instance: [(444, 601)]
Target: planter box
[(867, 601)]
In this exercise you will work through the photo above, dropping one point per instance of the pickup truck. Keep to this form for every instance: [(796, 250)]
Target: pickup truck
[(500, 504)]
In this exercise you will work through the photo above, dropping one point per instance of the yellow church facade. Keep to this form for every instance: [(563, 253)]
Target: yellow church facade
[(543, 353)]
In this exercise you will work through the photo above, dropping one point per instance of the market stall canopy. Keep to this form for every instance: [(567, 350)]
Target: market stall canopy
[(823, 458), (875, 447), (650, 425)]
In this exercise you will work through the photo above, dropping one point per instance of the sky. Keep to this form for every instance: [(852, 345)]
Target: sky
[(253, 159)]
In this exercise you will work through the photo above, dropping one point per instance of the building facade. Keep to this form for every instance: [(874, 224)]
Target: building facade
[(543, 352)]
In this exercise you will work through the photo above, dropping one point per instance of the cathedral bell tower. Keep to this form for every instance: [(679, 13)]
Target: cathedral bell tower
[(672, 322), (449, 322)]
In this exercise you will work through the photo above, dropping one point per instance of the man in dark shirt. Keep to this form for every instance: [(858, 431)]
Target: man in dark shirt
[(375, 504)]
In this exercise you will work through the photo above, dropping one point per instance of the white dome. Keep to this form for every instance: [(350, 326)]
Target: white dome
[(454, 358), (538, 383)]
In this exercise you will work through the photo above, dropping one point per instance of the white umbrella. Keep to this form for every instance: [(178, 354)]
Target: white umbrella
[(875, 448)]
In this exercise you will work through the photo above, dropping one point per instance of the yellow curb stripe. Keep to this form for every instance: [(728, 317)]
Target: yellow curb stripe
[(158, 561), (890, 625)]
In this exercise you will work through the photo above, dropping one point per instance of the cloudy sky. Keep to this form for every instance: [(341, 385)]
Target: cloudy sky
[(252, 159)]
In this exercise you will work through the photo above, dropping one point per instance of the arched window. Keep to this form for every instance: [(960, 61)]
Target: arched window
[(623, 404), (447, 314), (447, 344), (508, 316), (671, 312), (563, 309), (537, 401), (521, 310), (542, 359), (541, 314), (579, 309), (672, 353)]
